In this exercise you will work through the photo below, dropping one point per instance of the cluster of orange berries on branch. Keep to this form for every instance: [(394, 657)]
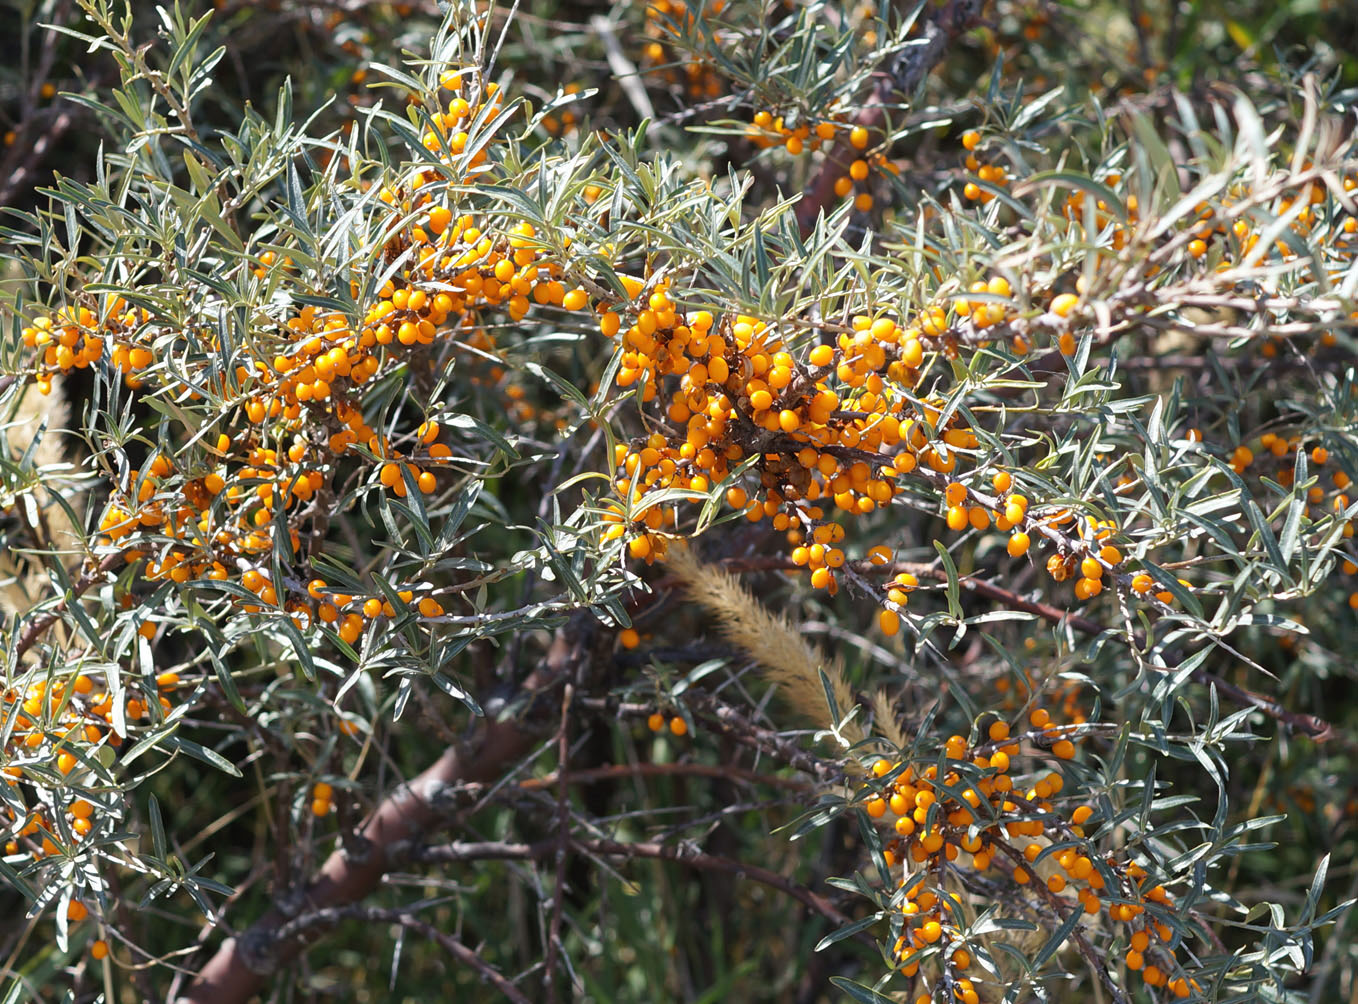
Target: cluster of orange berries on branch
[(300, 391), (992, 174), (767, 130), (322, 799), (72, 339), (663, 56), (739, 393), (1022, 831), (803, 441), (53, 719), (349, 614)]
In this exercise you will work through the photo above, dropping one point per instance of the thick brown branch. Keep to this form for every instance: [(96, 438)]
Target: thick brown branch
[(242, 964)]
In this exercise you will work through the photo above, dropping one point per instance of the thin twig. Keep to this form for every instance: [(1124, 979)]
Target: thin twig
[(563, 819), (684, 853), (1318, 729), (313, 922)]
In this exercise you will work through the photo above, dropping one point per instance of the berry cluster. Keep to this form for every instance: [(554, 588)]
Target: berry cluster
[(971, 803)]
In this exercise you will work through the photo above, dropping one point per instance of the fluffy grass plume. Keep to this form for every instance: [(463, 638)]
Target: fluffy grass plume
[(784, 656)]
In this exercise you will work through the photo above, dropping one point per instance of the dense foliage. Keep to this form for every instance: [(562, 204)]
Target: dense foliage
[(698, 500)]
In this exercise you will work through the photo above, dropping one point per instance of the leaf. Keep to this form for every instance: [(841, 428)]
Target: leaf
[(847, 932), (954, 607), (859, 992), (1058, 938), (157, 828), (199, 752), (1070, 179)]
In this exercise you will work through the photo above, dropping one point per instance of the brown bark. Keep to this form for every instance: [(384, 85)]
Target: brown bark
[(242, 965)]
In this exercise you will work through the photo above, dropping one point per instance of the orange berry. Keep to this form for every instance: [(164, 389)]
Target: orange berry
[(1063, 303), (678, 726)]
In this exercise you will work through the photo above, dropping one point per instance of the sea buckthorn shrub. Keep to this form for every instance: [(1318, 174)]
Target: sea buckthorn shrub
[(602, 458)]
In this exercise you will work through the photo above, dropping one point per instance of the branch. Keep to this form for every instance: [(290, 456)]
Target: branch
[(87, 582), (915, 62), (618, 771), (242, 964), (562, 841), (685, 854), (1318, 729), (312, 923)]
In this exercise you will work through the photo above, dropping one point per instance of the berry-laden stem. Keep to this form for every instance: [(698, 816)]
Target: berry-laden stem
[(914, 64), (1062, 911)]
